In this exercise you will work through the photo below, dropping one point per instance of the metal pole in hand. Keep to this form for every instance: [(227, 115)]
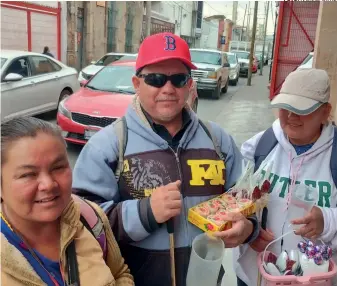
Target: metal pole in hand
[(170, 230)]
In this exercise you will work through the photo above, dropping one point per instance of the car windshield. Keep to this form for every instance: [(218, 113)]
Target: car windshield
[(231, 59), (242, 55), (3, 60), (113, 79), (205, 57), (108, 59)]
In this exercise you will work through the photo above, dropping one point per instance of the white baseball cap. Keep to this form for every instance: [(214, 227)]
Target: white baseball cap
[(303, 91)]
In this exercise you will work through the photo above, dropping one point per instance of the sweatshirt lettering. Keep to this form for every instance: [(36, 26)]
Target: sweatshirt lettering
[(324, 188)]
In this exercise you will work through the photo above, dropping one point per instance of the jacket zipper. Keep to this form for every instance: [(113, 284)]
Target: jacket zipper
[(176, 155)]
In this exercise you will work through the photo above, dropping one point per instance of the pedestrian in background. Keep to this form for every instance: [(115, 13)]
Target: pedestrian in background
[(170, 165), (302, 144), (44, 240), (47, 52)]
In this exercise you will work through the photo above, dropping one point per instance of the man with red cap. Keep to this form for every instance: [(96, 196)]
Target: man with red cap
[(167, 162)]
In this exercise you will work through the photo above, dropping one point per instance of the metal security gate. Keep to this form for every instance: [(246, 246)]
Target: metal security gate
[(80, 28), (295, 38), (29, 26), (129, 28), (112, 14)]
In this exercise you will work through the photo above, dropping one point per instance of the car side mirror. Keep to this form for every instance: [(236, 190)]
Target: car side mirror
[(11, 77), (83, 82), (226, 65), (93, 62)]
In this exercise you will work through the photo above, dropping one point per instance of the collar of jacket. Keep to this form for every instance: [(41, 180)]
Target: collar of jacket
[(14, 263), (137, 121)]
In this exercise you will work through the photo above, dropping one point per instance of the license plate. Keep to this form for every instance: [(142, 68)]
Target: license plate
[(89, 133)]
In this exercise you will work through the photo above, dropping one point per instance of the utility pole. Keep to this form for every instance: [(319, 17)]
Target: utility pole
[(148, 18), (243, 25), (252, 45), (248, 22), (235, 12), (264, 40)]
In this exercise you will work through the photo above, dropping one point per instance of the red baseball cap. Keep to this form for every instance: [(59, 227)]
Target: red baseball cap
[(161, 47)]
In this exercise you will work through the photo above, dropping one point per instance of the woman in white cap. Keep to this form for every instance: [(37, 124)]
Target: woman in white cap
[(302, 144)]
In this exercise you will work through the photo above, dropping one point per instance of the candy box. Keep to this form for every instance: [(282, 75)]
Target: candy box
[(208, 216)]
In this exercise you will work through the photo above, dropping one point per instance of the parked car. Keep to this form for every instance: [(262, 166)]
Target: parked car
[(243, 58), (33, 83), (234, 70), (100, 101), (255, 64), (307, 62), (96, 66), (213, 71)]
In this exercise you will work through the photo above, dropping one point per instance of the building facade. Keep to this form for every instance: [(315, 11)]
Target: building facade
[(31, 25), (179, 18), (97, 27)]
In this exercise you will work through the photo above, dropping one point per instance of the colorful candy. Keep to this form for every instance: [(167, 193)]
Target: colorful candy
[(310, 252), (302, 246), (327, 253), (318, 259), (310, 243), (202, 210), (213, 207), (216, 219), (318, 248)]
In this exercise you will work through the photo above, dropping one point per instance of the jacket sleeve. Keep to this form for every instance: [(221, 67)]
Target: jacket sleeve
[(329, 234), (114, 260), (94, 179)]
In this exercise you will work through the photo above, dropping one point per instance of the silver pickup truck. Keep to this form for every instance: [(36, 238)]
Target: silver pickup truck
[(213, 71)]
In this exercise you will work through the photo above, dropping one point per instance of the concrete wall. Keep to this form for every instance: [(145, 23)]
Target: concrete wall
[(95, 29), (209, 34), (325, 56), (179, 13)]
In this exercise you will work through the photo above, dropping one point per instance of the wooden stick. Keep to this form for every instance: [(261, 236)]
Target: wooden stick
[(173, 266)]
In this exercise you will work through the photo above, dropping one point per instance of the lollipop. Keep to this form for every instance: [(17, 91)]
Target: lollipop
[(203, 210), (327, 253), (318, 248), (302, 246), (310, 243), (217, 219), (318, 259), (310, 252)]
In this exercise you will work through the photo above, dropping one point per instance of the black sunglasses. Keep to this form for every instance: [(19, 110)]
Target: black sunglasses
[(159, 80)]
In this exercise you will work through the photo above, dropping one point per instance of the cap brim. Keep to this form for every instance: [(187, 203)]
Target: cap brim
[(296, 104), (158, 60)]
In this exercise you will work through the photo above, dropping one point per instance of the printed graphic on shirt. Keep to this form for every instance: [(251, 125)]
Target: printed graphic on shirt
[(144, 172), (281, 185), (202, 170)]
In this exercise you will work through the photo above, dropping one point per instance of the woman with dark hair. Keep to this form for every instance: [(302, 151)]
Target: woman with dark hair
[(47, 52), (45, 237)]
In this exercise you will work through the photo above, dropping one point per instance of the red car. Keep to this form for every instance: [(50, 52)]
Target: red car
[(255, 65), (100, 101)]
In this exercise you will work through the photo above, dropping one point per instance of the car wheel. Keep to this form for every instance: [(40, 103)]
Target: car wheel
[(195, 105), (217, 91), (65, 93), (225, 89), (235, 83)]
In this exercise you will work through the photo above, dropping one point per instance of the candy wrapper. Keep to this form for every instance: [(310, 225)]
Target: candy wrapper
[(307, 259), (248, 196)]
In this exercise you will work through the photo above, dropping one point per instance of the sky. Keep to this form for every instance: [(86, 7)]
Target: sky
[(226, 8)]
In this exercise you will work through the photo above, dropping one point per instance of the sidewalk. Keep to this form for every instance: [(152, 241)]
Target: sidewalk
[(245, 114), (248, 112)]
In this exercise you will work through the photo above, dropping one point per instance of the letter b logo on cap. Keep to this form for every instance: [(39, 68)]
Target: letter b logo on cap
[(170, 43)]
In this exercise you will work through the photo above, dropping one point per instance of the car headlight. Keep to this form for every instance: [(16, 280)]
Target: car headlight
[(232, 71), (212, 74), (63, 110)]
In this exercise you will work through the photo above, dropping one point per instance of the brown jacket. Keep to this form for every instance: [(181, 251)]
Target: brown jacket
[(93, 270)]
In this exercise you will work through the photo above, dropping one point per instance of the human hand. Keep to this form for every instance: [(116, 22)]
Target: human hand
[(240, 231), (166, 202), (261, 242), (313, 224)]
